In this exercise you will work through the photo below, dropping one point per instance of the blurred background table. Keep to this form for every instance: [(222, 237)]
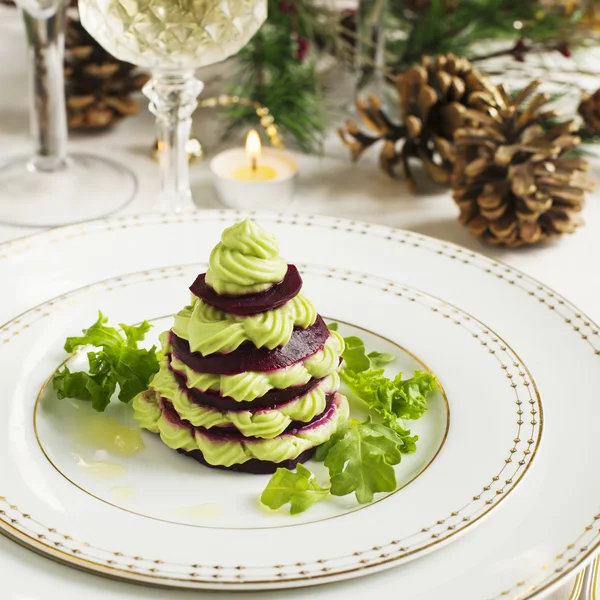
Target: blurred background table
[(328, 184)]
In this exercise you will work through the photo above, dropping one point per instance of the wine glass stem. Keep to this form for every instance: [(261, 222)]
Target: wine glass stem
[(370, 54), (48, 121), (173, 99)]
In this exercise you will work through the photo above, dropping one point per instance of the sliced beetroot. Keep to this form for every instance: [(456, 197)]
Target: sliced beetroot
[(250, 304), (172, 416), (271, 399), (253, 466), (303, 343)]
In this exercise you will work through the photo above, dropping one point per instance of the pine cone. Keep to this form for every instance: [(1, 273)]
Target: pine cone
[(433, 97), (589, 109), (98, 86), (513, 180)]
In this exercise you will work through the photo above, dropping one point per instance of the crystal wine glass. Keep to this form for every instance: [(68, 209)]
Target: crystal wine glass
[(52, 187), (172, 38)]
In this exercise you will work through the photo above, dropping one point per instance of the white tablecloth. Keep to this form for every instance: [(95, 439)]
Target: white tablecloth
[(329, 185)]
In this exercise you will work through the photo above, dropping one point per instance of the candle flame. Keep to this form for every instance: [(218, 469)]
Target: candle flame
[(253, 147)]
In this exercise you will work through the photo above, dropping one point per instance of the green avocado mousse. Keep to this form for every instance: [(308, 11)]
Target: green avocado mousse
[(248, 379)]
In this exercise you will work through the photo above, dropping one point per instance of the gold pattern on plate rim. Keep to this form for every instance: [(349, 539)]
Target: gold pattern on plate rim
[(364, 563), (358, 508)]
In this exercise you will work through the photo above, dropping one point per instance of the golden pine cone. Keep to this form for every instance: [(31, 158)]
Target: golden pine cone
[(435, 94), (589, 109), (433, 97), (99, 87), (514, 180)]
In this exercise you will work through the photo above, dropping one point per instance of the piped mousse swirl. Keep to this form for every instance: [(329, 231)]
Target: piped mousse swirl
[(245, 261), (303, 343), (233, 434), (254, 466)]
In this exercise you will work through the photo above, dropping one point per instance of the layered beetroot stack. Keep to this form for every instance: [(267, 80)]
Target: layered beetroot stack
[(248, 380)]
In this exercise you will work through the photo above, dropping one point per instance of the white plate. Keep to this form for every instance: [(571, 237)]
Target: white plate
[(152, 500), (468, 357)]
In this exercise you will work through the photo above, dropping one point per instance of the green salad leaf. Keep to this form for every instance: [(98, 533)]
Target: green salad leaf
[(97, 388), (380, 359), (393, 399), (300, 490), (117, 362), (361, 458), (356, 358), (354, 355)]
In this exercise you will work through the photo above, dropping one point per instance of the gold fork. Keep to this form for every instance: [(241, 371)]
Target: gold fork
[(586, 582)]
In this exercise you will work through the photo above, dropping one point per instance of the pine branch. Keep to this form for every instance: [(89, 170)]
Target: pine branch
[(275, 71), (441, 26)]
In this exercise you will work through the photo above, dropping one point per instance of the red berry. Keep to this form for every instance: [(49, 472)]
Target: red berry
[(565, 50), (287, 7), (520, 45), (302, 48)]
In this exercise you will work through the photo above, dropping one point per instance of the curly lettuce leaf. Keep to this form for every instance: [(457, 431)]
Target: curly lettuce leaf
[(409, 400), (117, 362), (361, 458), (97, 335), (393, 399), (300, 490), (96, 388)]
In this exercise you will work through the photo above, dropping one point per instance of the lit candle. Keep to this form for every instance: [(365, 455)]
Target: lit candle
[(254, 177), (254, 171)]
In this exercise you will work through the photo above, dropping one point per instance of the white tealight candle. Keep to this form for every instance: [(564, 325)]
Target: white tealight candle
[(255, 177)]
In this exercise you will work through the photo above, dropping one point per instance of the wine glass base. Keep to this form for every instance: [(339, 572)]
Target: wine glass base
[(89, 187)]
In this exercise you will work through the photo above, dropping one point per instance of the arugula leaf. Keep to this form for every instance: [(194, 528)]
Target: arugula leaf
[(135, 333), (119, 363), (333, 326), (300, 489), (361, 458)]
